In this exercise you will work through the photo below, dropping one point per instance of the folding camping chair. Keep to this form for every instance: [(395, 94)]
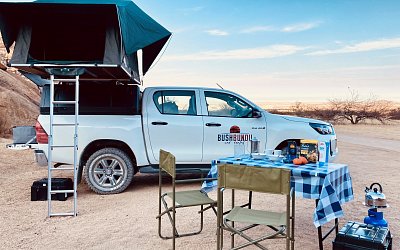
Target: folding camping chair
[(262, 180), (180, 199)]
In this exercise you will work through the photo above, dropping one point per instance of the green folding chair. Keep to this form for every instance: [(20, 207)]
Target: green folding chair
[(255, 179), (179, 199)]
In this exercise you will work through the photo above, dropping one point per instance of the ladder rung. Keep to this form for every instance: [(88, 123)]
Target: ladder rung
[(64, 102), (62, 214), (65, 80), (61, 168), (61, 191), (71, 123), (65, 124)]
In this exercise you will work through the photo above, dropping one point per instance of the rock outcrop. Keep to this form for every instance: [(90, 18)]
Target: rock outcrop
[(19, 98)]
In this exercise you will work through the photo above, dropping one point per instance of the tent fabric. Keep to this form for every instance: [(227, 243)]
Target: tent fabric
[(112, 41), (22, 44), (133, 30)]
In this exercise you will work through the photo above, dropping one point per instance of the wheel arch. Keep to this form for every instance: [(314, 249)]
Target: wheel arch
[(100, 144)]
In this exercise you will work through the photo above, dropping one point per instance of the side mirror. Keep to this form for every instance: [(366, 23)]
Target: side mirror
[(256, 114)]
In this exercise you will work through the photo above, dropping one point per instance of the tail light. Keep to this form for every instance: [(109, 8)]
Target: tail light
[(41, 135)]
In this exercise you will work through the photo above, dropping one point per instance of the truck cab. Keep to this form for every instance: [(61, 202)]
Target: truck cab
[(205, 124), (127, 128)]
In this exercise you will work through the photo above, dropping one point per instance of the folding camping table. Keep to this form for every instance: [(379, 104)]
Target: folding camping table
[(330, 186)]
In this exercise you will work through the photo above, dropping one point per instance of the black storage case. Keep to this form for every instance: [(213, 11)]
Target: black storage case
[(359, 236), (39, 189)]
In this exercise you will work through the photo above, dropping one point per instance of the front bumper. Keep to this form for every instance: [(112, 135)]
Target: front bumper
[(40, 157)]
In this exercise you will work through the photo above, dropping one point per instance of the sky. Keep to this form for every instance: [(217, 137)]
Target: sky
[(273, 51)]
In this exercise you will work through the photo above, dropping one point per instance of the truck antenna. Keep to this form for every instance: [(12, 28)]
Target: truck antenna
[(219, 85)]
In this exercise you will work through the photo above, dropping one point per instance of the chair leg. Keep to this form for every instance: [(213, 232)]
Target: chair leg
[(288, 220), (220, 214), (233, 223), (201, 218), (293, 220), (174, 231), (219, 206), (287, 242)]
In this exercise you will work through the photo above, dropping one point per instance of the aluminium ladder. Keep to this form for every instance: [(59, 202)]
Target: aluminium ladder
[(51, 145)]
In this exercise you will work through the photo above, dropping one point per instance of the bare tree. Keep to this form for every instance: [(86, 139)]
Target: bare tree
[(355, 109), (395, 114), (324, 113), (298, 108)]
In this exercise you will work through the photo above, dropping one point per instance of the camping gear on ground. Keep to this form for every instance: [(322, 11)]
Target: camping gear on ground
[(255, 145), (358, 236), (39, 189), (375, 198), (103, 37), (375, 218)]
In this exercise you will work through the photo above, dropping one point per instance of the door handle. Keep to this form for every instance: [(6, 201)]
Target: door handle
[(213, 124), (159, 123)]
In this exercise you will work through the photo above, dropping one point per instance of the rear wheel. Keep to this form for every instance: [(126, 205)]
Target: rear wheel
[(109, 171)]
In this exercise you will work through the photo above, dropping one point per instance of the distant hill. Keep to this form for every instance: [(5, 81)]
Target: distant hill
[(19, 99)]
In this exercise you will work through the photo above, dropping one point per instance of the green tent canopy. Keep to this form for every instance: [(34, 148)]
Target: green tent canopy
[(103, 36)]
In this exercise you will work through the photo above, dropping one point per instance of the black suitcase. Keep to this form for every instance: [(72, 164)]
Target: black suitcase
[(39, 189), (360, 236)]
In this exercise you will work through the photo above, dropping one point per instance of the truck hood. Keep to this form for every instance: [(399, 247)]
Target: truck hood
[(302, 119)]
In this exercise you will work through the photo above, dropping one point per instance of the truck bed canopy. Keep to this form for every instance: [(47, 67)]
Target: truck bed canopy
[(103, 36)]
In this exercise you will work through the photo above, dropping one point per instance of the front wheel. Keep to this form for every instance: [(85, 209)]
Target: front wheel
[(109, 171)]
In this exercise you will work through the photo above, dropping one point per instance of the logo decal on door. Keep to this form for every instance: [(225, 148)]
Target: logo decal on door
[(234, 135)]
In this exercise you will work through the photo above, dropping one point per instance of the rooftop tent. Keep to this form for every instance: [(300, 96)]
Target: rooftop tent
[(102, 36)]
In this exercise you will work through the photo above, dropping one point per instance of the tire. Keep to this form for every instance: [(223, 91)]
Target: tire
[(109, 171)]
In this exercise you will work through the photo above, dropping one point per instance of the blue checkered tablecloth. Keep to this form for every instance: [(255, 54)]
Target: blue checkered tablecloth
[(331, 184)]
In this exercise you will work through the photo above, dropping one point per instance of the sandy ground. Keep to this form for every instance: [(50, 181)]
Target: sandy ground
[(127, 220)]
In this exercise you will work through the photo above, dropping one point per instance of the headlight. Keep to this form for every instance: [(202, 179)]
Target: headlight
[(322, 128)]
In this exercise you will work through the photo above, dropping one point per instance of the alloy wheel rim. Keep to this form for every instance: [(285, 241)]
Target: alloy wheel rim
[(108, 172)]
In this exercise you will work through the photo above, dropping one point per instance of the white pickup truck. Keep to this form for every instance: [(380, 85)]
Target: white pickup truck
[(122, 128)]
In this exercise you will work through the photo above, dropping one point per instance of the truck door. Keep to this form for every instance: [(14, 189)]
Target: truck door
[(228, 120), (173, 124)]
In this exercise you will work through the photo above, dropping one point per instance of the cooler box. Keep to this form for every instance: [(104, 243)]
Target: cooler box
[(39, 189), (359, 236)]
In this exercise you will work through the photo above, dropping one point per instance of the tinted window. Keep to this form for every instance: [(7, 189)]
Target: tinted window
[(106, 98), (175, 102), (226, 105)]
